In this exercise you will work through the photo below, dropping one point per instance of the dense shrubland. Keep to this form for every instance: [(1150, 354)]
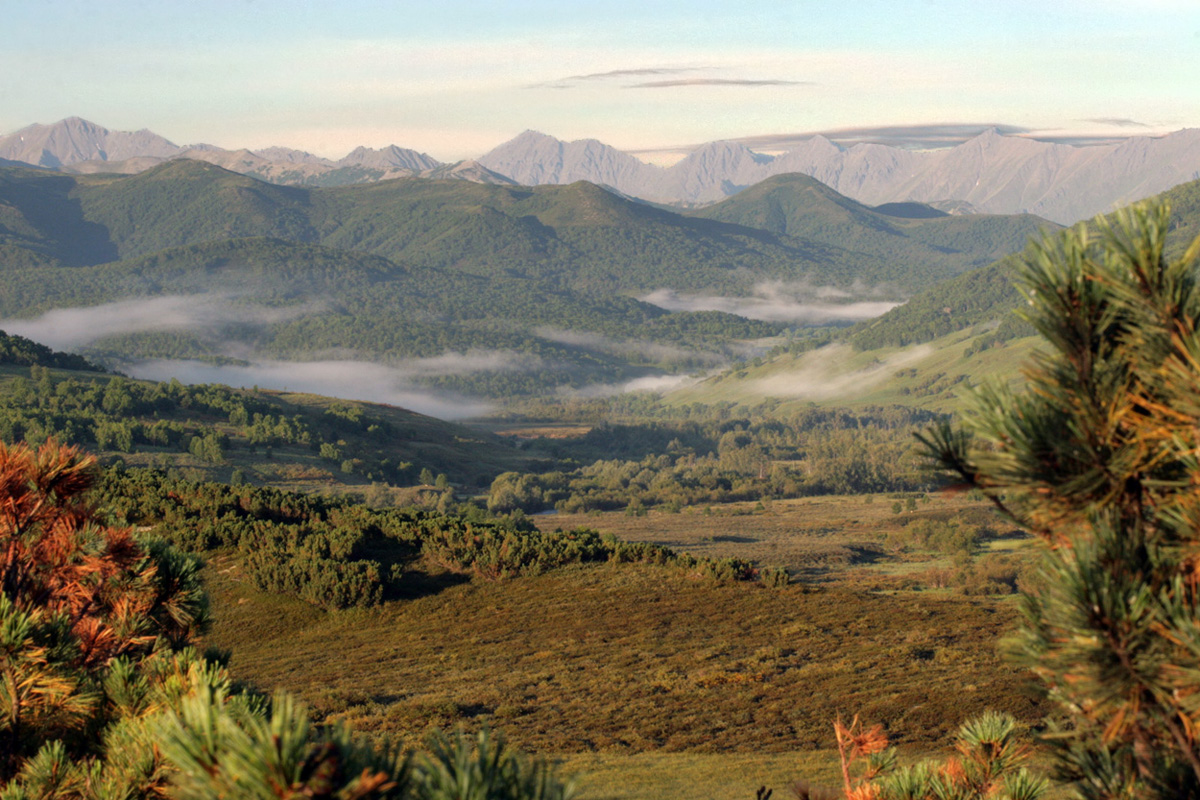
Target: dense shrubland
[(218, 426), (336, 553), (22, 352)]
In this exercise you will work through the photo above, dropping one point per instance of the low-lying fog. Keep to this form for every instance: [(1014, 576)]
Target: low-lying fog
[(71, 328), (400, 384), (822, 375), (785, 302), (352, 380)]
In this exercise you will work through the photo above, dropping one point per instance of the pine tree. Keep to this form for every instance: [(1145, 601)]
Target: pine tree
[(1099, 455)]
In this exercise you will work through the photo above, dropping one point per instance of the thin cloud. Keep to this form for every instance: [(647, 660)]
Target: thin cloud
[(1117, 122), (716, 82), (917, 137), (68, 328), (570, 81), (822, 374), (656, 384), (629, 73), (353, 380)]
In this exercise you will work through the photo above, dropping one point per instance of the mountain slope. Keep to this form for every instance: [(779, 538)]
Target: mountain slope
[(516, 290), (992, 173), (74, 140), (79, 146), (578, 233), (182, 202), (802, 207), (987, 295)]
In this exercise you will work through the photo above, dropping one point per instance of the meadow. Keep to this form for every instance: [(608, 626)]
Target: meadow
[(655, 681)]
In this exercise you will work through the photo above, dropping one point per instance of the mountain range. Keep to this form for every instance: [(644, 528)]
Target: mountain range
[(566, 285), (991, 173), (78, 146)]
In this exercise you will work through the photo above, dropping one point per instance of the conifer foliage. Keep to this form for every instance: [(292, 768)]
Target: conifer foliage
[(1099, 455)]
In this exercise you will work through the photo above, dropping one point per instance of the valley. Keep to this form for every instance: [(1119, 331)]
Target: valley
[(639, 486)]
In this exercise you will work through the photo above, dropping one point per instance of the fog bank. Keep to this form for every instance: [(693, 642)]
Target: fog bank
[(780, 302), (352, 380)]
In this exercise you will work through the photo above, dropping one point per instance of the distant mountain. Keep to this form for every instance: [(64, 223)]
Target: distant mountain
[(468, 170), (533, 159), (991, 173), (389, 158), (75, 140), (82, 147)]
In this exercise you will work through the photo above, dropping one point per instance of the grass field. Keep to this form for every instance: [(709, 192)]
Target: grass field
[(825, 540), (648, 680)]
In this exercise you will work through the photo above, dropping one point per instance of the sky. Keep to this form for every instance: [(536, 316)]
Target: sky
[(455, 78)]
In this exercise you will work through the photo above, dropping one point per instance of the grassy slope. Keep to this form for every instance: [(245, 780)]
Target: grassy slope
[(930, 375), (651, 681), (631, 659)]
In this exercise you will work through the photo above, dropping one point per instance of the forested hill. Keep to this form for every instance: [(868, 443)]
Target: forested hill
[(989, 295), (578, 233), (216, 432), (800, 206), (21, 352), (529, 290)]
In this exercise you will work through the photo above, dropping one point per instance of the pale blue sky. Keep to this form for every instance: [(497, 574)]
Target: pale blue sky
[(455, 78)]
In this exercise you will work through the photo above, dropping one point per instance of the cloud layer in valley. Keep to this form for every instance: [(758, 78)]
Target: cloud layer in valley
[(658, 384), (352, 380), (822, 374), (70, 328), (779, 302), (395, 384)]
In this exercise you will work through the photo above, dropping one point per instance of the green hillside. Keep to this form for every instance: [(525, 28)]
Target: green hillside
[(931, 375), (988, 294), (536, 287), (927, 240), (579, 234), (301, 301)]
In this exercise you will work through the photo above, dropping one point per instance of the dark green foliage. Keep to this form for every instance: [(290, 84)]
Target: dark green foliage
[(973, 298), (338, 554), (217, 424), (22, 352), (459, 767)]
